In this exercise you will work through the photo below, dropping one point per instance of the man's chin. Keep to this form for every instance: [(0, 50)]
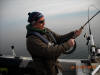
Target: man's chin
[(42, 28)]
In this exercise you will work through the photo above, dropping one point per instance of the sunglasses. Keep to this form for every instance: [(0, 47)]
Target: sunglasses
[(42, 21)]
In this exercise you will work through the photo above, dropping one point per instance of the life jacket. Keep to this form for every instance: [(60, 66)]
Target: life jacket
[(43, 38)]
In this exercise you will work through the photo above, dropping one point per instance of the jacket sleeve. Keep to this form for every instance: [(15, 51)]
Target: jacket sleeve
[(39, 49), (63, 38)]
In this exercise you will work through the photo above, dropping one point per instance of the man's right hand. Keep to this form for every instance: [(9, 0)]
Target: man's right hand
[(71, 42)]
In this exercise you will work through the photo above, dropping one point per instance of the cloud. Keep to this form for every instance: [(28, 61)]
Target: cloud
[(48, 7), (65, 6)]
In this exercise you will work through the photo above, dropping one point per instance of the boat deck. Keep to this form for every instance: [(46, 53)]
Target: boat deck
[(70, 66)]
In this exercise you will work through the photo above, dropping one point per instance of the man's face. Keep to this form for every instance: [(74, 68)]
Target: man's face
[(40, 23)]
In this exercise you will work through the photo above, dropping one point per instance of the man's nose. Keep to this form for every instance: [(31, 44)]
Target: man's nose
[(43, 23)]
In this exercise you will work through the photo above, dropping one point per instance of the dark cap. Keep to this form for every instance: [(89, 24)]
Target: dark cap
[(34, 16)]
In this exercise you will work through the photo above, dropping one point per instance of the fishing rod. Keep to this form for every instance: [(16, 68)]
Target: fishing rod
[(91, 36), (93, 51), (82, 27)]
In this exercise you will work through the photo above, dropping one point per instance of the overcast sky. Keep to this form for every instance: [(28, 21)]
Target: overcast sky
[(15, 11), (48, 7)]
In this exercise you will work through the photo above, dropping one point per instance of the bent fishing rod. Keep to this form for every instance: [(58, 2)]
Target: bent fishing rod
[(82, 27)]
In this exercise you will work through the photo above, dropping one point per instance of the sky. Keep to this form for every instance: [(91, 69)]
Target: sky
[(17, 10), (61, 16), (47, 7)]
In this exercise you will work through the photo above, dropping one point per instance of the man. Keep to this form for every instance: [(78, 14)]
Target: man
[(45, 52)]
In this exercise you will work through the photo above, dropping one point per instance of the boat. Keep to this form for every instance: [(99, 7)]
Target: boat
[(10, 65)]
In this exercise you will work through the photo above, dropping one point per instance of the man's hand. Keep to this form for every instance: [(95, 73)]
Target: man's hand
[(71, 42), (78, 32)]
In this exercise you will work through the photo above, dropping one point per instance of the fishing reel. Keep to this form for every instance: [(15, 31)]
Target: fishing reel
[(97, 55), (87, 38), (71, 50), (97, 52)]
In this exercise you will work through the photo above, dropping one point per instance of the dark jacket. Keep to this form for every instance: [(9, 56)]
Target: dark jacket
[(44, 56)]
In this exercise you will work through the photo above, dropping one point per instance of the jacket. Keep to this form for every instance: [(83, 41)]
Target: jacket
[(44, 56)]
